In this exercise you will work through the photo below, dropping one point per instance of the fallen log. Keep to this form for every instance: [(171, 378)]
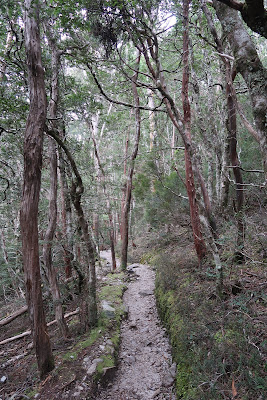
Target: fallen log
[(27, 333), (11, 317)]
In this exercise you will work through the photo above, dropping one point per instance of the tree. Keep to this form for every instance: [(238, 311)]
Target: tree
[(52, 217), (33, 145), (249, 65), (253, 13)]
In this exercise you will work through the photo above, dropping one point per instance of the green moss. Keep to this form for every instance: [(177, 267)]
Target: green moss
[(113, 277), (70, 356), (108, 361), (116, 338), (149, 258), (228, 337), (94, 335), (31, 393), (111, 292), (166, 302)]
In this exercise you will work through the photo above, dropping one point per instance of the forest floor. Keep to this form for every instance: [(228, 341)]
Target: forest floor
[(86, 365)]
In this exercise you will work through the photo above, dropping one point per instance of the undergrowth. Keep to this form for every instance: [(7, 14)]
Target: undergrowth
[(218, 342)]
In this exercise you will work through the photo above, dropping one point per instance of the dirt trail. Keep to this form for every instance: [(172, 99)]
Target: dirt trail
[(145, 368)]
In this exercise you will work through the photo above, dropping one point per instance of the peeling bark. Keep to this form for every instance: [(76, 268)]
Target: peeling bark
[(33, 146)]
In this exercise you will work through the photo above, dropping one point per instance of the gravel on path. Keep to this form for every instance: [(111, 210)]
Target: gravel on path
[(145, 369)]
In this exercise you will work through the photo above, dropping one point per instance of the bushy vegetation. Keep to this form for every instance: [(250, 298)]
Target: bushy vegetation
[(218, 342)]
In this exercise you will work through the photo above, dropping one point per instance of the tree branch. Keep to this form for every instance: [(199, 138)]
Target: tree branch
[(119, 102), (253, 13)]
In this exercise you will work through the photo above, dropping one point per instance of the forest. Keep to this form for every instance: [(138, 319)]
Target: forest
[(133, 133)]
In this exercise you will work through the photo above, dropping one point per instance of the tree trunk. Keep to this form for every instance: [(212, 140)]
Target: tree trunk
[(110, 216), (33, 146), (151, 49), (48, 240), (128, 192), (190, 185), (66, 217), (232, 138), (88, 285), (124, 179), (249, 65), (51, 228), (89, 305)]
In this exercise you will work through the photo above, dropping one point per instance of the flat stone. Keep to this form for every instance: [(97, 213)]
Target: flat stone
[(145, 293), (108, 309), (172, 370), (3, 379), (92, 369)]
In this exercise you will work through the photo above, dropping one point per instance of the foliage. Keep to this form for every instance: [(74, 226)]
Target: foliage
[(213, 342)]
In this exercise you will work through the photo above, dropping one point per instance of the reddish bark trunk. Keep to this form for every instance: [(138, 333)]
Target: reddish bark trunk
[(33, 146), (190, 184)]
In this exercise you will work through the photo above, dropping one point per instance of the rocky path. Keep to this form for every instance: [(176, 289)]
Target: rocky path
[(145, 368)]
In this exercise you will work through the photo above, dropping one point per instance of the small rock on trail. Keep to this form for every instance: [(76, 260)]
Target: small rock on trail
[(145, 369)]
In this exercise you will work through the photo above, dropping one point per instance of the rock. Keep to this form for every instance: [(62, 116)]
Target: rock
[(102, 347), (125, 312), (109, 342), (3, 379), (97, 360), (130, 359), (91, 370), (168, 380), (145, 293), (172, 370), (155, 394), (133, 324), (108, 310), (132, 266)]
